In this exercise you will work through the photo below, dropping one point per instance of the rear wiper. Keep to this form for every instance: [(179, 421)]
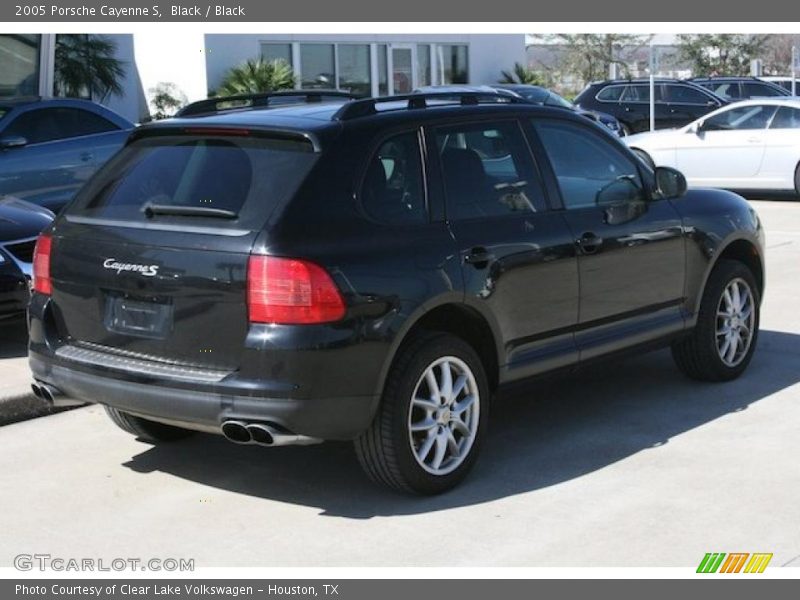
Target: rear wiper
[(151, 210)]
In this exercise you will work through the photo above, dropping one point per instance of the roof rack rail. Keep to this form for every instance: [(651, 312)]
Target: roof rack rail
[(259, 100), (368, 106)]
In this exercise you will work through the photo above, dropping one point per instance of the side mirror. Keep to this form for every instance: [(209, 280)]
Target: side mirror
[(670, 182), (12, 141)]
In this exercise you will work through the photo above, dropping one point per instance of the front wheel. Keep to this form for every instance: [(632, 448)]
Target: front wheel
[(433, 416), (724, 338)]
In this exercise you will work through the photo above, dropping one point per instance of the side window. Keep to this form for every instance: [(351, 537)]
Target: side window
[(758, 90), (37, 126), (743, 117), (392, 191), (589, 169), (728, 91), (612, 93), (48, 124), (82, 122), (786, 118), (637, 93), (487, 171), (683, 94)]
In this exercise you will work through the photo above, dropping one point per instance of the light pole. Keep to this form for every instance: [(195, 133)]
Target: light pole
[(652, 86)]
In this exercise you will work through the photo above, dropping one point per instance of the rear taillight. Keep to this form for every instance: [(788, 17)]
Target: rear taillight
[(41, 265), (291, 291)]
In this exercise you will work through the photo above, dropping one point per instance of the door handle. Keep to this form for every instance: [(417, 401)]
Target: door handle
[(589, 243), (754, 140), (478, 257)]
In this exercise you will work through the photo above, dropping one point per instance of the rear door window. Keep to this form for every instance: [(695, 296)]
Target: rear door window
[(488, 171), (786, 118), (683, 94), (612, 93), (245, 176), (637, 93)]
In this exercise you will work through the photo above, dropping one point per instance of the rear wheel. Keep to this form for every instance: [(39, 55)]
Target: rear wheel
[(149, 431), (723, 341), (433, 416), (797, 179), (625, 129)]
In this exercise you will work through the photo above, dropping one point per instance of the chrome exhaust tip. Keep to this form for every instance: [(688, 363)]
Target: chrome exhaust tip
[(261, 434), (237, 432), (52, 395)]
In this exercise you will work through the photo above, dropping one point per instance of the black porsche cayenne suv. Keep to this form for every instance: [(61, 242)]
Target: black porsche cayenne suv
[(373, 270)]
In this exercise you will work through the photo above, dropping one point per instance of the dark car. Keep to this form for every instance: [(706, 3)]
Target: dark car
[(20, 224), (375, 270), (740, 88), (49, 147), (541, 95), (677, 103), (529, 93)]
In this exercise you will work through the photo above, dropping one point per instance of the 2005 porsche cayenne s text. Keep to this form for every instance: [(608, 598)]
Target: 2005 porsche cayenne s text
[(374, 270)]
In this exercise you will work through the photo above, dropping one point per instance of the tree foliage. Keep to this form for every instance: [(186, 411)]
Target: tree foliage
[(521, 74), (721, 54), (257, 75), (86, 66), (166, 99), (589, 56)]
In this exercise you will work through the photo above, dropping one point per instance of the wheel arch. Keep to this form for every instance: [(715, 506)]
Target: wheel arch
[(741, 249)]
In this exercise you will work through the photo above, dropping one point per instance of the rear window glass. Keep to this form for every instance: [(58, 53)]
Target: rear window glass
[(247, 176)]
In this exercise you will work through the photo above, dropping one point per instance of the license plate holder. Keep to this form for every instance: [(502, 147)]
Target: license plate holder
[(138, 318)]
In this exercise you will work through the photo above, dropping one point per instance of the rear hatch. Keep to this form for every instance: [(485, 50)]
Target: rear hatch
[(150, 261)]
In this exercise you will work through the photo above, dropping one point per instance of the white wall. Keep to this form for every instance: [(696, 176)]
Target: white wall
[(488, 54)]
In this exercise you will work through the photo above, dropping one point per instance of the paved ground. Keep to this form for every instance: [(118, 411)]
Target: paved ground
[(17, 403), (629, 465)]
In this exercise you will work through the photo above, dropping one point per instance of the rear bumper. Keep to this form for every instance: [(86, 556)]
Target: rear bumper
[(204, 409)]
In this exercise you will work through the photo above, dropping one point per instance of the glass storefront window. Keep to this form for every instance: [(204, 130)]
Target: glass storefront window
[(452, 66), (424, 64), (383, 71), (19, 57), (317, 66), (272, 52), (354, 69)]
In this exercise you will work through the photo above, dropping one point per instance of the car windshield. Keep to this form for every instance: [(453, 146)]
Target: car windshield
[(554, 99)]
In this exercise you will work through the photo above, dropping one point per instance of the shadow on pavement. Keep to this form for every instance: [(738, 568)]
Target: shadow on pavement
[(554, 432), (13, 339)]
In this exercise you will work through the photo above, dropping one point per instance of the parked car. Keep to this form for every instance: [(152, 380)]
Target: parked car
[(375, 270), (749, 145), (541, 95), (676, 102), (50, 146), (20, 225), (784, 82), (530, 93), (734, 89)]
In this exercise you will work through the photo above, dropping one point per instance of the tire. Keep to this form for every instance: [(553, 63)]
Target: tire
[(645, 158), (148, 431), (626, 131), (797, 179), (392, 453), (704, 355)]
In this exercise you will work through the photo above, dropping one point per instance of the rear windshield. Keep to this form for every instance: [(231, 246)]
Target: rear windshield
[(247, 177)]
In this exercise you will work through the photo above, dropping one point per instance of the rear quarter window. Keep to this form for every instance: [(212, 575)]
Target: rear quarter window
[(248, 176)]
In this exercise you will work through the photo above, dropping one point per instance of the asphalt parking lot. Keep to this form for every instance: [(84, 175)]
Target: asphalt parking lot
[(629, 464)]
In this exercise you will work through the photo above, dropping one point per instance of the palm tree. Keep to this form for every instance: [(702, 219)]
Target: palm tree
[(86, 67), (257, 75), (521, 74)]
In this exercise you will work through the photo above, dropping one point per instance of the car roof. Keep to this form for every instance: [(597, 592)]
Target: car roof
[(321, 121), (792, 101)]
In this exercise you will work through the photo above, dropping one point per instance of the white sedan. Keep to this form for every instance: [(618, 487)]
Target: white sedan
[(750, 145)]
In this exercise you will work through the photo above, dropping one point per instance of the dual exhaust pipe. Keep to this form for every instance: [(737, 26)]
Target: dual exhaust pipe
[(52, 395), (263, 434)]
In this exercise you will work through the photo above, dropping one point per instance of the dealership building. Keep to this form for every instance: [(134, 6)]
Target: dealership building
[(196, 63)]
